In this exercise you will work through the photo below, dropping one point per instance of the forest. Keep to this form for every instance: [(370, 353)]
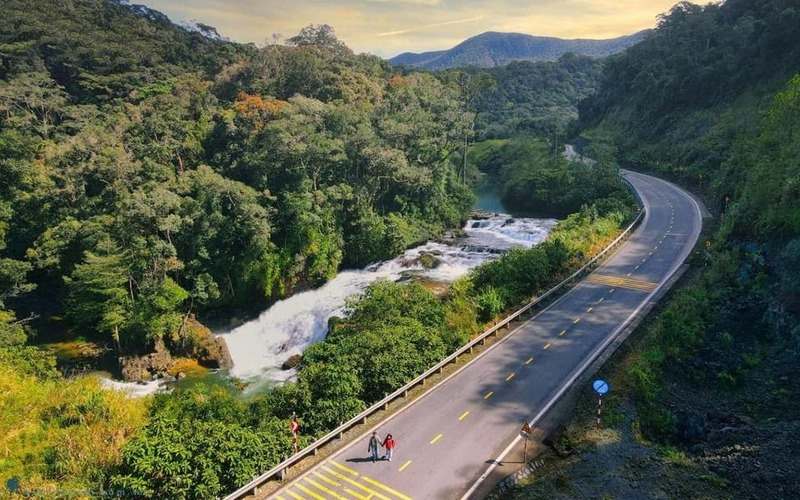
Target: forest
[(709, 99), (152, 177)]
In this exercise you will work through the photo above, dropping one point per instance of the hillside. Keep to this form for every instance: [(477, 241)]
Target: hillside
[(536, 98), (492, 49), (705, 398)]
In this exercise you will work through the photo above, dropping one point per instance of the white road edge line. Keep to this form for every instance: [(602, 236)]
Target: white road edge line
[(679, 262)]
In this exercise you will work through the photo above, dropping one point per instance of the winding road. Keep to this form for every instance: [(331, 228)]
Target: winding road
[(452, 438)]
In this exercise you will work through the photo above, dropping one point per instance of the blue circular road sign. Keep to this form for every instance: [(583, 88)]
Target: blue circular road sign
[(600, 386)]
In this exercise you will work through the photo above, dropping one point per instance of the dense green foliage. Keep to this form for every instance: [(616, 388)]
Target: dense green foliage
[(712, 99), (536, 98), (59, 435), (534, 177), (149, 172)]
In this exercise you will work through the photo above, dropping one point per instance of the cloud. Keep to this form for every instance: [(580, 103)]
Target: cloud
[(388, 27), (430, 26)]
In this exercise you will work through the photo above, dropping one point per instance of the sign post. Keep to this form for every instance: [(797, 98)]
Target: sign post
[(601, 387)]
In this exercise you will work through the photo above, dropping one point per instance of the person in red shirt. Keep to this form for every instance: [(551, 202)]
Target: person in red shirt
[(389, 444)]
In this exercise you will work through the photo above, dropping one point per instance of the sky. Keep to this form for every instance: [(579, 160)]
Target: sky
[(387, 28)]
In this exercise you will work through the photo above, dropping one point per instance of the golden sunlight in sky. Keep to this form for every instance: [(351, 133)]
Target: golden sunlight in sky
[(387, 28)]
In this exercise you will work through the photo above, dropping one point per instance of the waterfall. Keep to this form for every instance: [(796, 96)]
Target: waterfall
[(288, 327)]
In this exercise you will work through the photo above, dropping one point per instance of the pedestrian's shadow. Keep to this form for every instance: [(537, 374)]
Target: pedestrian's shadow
[(359, 460)]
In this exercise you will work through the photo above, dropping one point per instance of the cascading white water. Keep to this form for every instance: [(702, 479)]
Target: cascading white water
[(260, 347)]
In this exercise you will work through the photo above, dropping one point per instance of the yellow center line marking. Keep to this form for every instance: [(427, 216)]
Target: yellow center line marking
[(529, 361), (280, 497), (390, 490), (463, 415), (576, 321), (510, 376), (438, 437), (323, 488), (294, 495), (547, 345), (403, 467), (589, 310), (488, 395)]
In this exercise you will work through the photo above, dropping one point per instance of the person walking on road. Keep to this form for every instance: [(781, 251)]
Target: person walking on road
[(372, 447), (388, 443)]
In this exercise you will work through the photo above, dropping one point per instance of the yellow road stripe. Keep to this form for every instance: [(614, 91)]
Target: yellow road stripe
[(294, 495), (438, 437), (323, 488), (326, 479), (346, 469), (357, 494), (403, 467), (488, 395), (547, 346), (306, 490), (529, 361), (386, 488), (280, 497), (356, 483), (633, 284), (510, 376), (463, 415)]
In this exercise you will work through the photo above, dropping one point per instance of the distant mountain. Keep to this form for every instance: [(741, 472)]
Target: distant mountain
[(496, 49)]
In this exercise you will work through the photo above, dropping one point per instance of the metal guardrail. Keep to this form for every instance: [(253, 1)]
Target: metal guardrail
[(279, 471)]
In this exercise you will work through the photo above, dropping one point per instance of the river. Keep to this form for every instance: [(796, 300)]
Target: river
[(259, 347)]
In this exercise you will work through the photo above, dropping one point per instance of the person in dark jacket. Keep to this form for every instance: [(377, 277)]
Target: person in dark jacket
[(372, 447)]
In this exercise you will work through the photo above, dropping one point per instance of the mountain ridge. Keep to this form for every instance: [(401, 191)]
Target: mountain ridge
[(493, 48)]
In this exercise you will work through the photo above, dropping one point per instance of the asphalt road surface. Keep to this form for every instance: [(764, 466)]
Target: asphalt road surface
[(450, 438)]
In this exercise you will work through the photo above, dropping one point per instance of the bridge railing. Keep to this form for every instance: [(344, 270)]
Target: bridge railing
[(279, 471)]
